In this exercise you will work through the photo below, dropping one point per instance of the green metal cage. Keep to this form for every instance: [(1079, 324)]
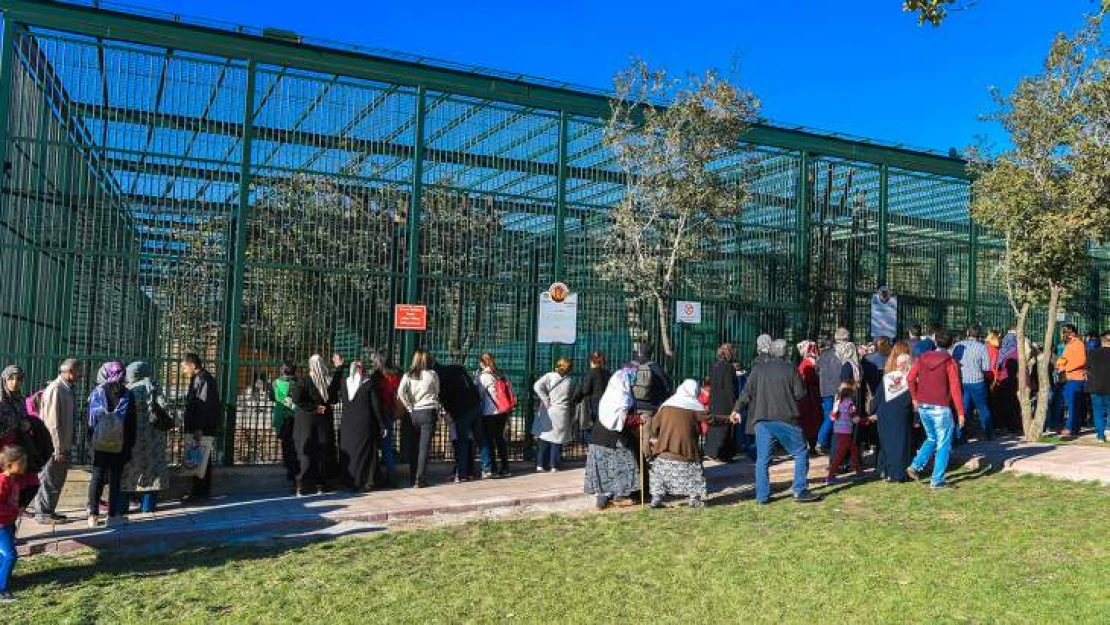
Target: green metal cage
[(174, 186)]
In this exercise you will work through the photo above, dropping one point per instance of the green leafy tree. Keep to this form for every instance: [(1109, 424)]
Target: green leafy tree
[(1046, 196), (673, 200), (936, 11)]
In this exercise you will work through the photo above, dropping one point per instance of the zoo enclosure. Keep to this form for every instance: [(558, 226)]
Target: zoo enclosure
[(173, 186)]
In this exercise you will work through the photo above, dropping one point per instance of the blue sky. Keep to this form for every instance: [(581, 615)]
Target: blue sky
[(859, 67)]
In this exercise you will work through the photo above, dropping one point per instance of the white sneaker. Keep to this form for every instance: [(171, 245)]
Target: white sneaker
[(540, 470), (554, 470), (92, 522)]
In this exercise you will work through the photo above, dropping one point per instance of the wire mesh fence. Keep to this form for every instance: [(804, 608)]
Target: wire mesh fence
[(159, 201)]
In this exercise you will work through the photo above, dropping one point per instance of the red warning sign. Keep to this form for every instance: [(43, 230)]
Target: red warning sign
[(410, 317)]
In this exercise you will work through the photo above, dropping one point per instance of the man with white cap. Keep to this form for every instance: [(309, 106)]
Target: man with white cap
[(58, 411)]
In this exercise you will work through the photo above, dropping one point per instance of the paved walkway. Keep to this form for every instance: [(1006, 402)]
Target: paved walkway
[(238, 519)]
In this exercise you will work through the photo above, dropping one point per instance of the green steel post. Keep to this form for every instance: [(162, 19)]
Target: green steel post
[(884, 224), (560, 213), (972, 273), (801, 247), (235, 331), (8, 35), (31, 282), (412, 223)]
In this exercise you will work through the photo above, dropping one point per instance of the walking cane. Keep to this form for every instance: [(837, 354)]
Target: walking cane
[(643, 482)]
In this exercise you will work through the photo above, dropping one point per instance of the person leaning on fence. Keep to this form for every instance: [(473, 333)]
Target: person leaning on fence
[(674, 431), (314, 425), (611, 465), (495, 418), (58, 410), (588, 393), (773, 391), (651, 386), (283, 419), (148, 472), (419, 392), (203, 414), (386, 380), (112, 432), (360, 430), (461, 399), (553, 418), (723, 390)]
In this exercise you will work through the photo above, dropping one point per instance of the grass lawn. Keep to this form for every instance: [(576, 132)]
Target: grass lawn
[(999, 549)]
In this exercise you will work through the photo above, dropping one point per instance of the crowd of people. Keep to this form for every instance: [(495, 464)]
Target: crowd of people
[(907, 400)]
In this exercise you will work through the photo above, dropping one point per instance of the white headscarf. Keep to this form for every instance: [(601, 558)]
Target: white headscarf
[(895, 383), (319, 374), (616, 401), (354, 379), (686, 397)]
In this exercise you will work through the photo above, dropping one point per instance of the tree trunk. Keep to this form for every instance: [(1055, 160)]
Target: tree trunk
[(1044, 366), (635, 324), (662, 307), (1025, 402)]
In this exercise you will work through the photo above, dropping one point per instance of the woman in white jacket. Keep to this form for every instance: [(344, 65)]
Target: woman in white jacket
[(419, 393), (554, 390), (494, 420)]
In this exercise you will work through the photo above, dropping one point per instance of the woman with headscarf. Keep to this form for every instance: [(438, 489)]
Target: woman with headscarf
[(112, 429), (147, 472), (810, 406), (723, 391), (894, 416), (611, 471), (16, 429), (1006, 408), (314, 425), (677, 468), (360, 430)]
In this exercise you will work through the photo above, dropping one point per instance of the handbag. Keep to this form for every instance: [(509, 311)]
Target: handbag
[(159, 418), (584, 416), (542, 422)]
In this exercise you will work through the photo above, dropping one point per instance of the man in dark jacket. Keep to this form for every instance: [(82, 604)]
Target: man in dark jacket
[(202, 415), (829, 366), (460, 398), (651, 386), (934, 382), (1098, 380), (722, 397), (772, 394)]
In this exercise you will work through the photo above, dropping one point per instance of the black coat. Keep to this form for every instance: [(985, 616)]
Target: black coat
[(722, 388), (772, 393), (591, 388), (203, 411), (360, 431), (457, 391)]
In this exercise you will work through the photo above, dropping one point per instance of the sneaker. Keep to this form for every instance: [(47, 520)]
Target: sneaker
[(806, 497), (504, 473), (92, 522), (941, 487), (540, 470), (656, 503), (1100, 441), (554, 470), (913, 474), (487, 475), (7, 597), (60, 518)]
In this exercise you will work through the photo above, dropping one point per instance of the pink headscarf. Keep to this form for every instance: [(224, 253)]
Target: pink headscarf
[(808, 350)]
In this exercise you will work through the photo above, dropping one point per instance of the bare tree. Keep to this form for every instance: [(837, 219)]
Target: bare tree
[(675, 196)]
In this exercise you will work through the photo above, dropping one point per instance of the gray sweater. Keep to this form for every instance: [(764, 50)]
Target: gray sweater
[(773, 391)]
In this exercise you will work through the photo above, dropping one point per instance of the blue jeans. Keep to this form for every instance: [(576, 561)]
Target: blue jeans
[(8, 556), (549, 455), (938, 425), (741, 441), (149, 501), (388, 453), (1100, 405), (975, 395), (494, 442), (1055, 407), (1073, 399), (791, 439), (824, 435)]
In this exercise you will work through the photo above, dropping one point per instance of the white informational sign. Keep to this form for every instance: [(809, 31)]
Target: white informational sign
[(688, 312), (884, 315), (558, 322)]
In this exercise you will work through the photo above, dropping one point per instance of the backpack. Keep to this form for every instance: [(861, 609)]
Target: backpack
[(504, 399), (958, 352), (644, 382), (109, 434)]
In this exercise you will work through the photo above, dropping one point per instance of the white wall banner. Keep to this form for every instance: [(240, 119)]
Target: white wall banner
[(884, 314), (558, 322)]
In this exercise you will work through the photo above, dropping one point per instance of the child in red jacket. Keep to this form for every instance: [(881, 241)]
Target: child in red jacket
[(13, 463)]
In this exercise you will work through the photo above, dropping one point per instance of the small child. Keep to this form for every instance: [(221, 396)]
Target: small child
[(13, 463), (845, 417)]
